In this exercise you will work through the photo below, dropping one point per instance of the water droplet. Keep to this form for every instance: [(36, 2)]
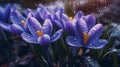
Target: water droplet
[(75, 39), (94, 29), (74, 12), (54, 35), (90, 44), (28, 35)]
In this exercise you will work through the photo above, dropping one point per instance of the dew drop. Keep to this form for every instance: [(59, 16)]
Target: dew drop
[(90, 44), (94, 29), (28, 35), (75, 39), (74, 12), (54, 35)]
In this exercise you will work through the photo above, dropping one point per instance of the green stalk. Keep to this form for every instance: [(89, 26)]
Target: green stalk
[(115, 59), (42, 63)]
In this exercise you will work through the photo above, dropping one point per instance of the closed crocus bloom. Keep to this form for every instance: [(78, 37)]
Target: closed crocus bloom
[(42, 13), (5, 16), (40, 34), (60, 18), (5, 13), (87, 34)]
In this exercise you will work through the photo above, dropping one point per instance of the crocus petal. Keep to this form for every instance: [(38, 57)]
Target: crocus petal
[(78, 15), (33, 25), (29, 38), (27, 11), (5, 26), (90, 20), (16, 17), (70, 28), (1, 13), (56, 35), (42, 11), (38, 16), (95, 33), (58, 24), (65, 19), (82, 26), (56, 16), (47, 27), (44, 40), (72, 41), (40, 6), (7, 13), (16, 29), (98, 44)]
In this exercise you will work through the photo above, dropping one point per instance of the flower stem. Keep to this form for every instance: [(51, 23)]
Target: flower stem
[(42, 63), (115, 59)]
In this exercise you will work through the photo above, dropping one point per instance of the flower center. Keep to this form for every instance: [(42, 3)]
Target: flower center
[(23, 22), (71, 18), (39, 33), (86, 37)]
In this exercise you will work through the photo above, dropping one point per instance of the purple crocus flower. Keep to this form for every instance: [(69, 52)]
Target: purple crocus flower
[(87, 34), (40, 34), (61, 20), (42, 13), (19, 23), (5, 13), (5, 16)]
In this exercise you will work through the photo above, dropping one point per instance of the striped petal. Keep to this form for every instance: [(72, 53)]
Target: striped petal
[(90, 20), (95, 32), (33, 25), (70, 28), (47, 27), (81, 27)]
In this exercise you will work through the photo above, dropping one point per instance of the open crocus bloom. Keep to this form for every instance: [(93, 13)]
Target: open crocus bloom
[(87, 34), (40, 34), (19, 22)]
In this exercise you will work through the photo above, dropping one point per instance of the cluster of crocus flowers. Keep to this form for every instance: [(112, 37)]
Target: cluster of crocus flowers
[(38, 27)]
